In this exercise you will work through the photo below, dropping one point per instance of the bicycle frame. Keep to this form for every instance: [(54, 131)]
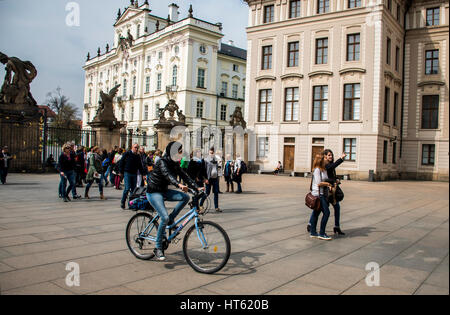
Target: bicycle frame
[(191, 214)]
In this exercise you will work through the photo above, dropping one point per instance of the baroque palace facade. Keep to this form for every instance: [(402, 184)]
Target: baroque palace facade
[(365, 77), (152, 55)]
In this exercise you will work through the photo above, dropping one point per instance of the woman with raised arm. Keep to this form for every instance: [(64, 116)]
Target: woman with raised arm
[(320, 189)]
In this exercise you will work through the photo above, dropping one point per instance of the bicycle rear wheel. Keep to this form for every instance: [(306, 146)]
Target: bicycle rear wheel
[(137, 244), (211, 258)]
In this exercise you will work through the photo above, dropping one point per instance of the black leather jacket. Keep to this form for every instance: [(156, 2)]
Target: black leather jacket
[(165, 173)]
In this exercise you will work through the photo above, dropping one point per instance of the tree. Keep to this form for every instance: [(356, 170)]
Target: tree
[(66, 112)]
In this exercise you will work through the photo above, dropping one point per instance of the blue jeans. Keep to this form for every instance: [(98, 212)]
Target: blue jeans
[(315, 217), (89, 184), (214, 184), (337, 215), (130, 184), (69, 176), (156, 199), (3, 174)]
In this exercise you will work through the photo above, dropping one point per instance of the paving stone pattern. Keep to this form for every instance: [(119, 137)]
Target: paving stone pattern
[(401, 225)]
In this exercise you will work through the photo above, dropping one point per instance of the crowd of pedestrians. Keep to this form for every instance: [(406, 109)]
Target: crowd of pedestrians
[(126, 170)]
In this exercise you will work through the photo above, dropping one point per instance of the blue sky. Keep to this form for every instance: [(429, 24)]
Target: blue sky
[(37, 31)]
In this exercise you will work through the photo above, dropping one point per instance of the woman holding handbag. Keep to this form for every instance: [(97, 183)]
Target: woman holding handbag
[(319, 188), (334, 181)]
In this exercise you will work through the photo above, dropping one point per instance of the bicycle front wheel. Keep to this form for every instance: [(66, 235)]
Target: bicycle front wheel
[(206, 249), (138, 231)]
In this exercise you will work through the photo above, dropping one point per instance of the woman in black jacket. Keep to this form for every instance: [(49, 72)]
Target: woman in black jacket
[(66, 168), (331, 172), (165, 173)]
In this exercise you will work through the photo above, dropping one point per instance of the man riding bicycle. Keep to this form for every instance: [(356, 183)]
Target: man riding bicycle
[(164, 174)]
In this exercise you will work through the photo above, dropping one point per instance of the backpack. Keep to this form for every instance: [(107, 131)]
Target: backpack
[(244, 168)]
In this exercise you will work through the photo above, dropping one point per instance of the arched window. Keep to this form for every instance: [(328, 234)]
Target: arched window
[(174, 75)]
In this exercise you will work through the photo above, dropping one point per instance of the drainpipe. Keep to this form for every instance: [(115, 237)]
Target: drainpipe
[(408, 6)]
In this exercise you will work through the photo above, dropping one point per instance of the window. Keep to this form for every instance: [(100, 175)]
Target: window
[(88, 117), (387, 96), (432, 16), (432, 61), (202, 49), (385, 149), (320, 103), (158, 82), (235, 91), (138, 32), (224, 90), (389, 5), (291, 104), (201, 78), (132, 113), (134, 85), (395, 115), (428, 154), (243, 92), (223, 112), (144, 138), (149, 59), (90, 96), (122, 115), (388, 51), (321, 51), (199, 113), (146, 112), (294, 9), (124, 90), (263, 147), (176, 50), (394, 153), (160, 55), (265, 105), (235, 68), (350, 149), (353, 47), (354, 4), (398, 13), (352, 101), (397, 58), (430, 111), (267, 58), (293, 54), (269, 11), (174, 75), (323, 6), (157, 110), (147, 84)]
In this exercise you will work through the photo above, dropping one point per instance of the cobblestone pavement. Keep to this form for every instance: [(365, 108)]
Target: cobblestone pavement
[(401, 225)]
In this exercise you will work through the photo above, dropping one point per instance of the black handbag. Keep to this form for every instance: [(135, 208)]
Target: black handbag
[(339, 195)]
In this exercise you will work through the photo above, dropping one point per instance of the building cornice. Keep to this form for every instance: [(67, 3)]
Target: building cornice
[(320, 72), (265, 77), (424, 83), (348, 70)]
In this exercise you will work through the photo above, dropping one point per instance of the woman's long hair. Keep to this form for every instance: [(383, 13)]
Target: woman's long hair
[(319, 162)]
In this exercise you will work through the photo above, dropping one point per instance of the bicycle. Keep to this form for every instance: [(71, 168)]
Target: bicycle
[(206, 251)]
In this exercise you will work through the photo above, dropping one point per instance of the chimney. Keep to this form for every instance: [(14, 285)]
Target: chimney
[(173, 12)]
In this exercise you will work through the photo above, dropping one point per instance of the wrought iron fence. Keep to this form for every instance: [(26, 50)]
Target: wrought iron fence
[(54, 138)]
